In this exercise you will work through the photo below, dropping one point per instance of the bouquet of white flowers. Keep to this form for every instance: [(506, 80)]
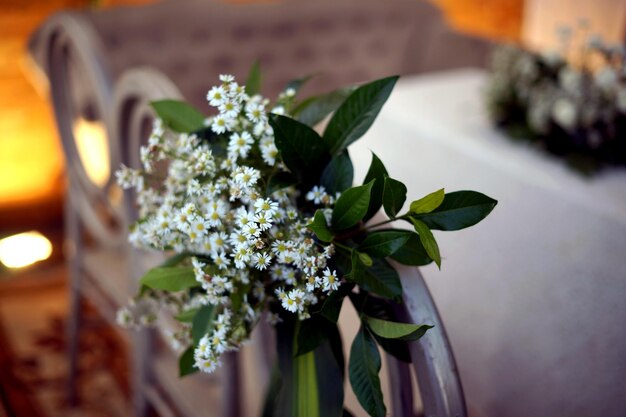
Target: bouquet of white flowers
[(262, 220), (572, 104)]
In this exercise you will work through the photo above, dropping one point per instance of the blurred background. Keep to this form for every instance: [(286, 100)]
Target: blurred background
[(35, 297)]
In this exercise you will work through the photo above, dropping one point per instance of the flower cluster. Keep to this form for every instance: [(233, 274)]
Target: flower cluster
[(572, 100), (206, 195)]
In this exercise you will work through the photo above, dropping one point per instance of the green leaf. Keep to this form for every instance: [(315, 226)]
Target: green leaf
[(338, 174), (379, 279), (253, 83), (376, 172), (202, 322), (314, 109), (395, 330), (280, 181), (384, 243), (428, 203), (311, 333), (186, 363), (284, 402), (178, 115), (301, 148), (320, 228), (459, 209), (170, 278), (351, 206), (357, 113), (394, 196), (412, 252), (386, 310), (332, 305), (187, 316), (330, 375), (363, 368), (428, 241)]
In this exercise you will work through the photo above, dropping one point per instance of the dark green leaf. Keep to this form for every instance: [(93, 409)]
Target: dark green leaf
[(320, 228), (186, 363), (428, 203), (311, 333), (363, 369), (279, 181), (395, 330), (178, 115), (284, 403), (253, 83), (379, 279), (397, 348), (386, 310), (187, 316), (412, 252), (459, 209), (376, 172), (330, 375), (384, 243), (314, 109), (357, 113), (394, 196), (301, 148), (338, 174), (351, 206), (202, 322), (332, 305), (170, 278), (428, 241)]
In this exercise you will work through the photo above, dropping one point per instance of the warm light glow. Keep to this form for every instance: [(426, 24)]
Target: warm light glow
[(21, 250), (91, 142)]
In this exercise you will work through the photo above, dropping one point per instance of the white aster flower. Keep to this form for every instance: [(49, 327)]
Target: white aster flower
[(216, 96), (240, 144), (261, 260), (221, 124), (316, 194), (330, 280)]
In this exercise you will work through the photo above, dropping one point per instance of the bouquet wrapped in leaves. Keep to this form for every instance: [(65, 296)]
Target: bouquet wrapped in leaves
[(572, 103), (262, 220)]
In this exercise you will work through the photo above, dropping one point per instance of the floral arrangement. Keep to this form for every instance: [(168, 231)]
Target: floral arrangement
[(260, 216), (571, 101)]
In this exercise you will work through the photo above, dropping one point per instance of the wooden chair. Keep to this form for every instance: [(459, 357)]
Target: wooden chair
[(106, 66)]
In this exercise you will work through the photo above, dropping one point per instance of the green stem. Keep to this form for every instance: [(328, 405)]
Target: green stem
[(342, 246), (385, 222)]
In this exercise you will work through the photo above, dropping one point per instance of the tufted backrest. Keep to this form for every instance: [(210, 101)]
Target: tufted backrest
[(193, 41)]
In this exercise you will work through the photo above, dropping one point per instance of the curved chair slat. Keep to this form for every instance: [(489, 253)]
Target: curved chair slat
[(433, 360), (68, 49)]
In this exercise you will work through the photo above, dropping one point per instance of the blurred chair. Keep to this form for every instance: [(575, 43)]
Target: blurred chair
[(105, 66)]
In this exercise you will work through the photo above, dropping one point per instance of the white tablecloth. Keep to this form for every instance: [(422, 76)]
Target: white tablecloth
[(534, 297)]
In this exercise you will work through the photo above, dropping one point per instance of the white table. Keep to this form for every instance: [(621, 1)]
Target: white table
[(533, 298)]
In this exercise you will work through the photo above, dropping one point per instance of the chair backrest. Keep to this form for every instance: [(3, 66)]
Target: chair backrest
[(194, 41)]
